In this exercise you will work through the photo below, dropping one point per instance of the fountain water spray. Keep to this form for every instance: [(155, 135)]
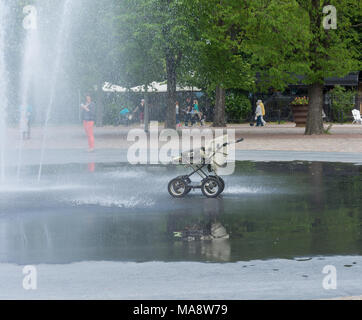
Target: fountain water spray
[(31, 57), (43, 55), (62, 37), (3, 90)]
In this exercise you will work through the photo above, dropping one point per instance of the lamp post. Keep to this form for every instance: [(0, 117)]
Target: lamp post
[(147, 113), (98, 94)]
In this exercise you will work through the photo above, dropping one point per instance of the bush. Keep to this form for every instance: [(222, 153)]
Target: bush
[(342, 101), (238, 107), (111, 114), (113, 105)]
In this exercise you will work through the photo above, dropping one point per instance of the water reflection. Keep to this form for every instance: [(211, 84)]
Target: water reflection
[(124, 213), (205, 237), (91, 167)]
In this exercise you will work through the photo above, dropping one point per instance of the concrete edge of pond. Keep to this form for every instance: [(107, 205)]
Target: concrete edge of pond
[(257, 155), (66, 156), (348, 298)]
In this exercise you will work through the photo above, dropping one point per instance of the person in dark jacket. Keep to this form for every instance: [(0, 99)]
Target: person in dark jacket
[(189, 112), (89, 117), (140, 110)]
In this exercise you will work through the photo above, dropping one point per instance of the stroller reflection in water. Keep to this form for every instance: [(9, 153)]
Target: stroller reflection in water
[(207, 237)]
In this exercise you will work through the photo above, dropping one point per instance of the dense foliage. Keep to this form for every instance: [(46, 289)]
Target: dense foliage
[(218, 46), (342, 102)]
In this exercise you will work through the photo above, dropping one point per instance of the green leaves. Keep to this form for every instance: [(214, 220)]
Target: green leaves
[(277, 38), (228, 42), (217, 31), (238, 106), (342, 100), (148, 29)]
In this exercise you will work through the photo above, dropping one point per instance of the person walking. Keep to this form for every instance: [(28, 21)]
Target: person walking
[(188, 112), (259, 115), (89, 117), (197, 112), (178, 122), (141, 111), (262, 111)]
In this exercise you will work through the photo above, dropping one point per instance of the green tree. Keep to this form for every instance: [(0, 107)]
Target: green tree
[(330, 53), (342, 101), (238, 106), (94, 50), (154, 35), (217, 62), (276, 38), (292, 40), (141, 62)]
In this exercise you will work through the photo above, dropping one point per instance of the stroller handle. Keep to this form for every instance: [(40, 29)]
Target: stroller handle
[(237, 141)]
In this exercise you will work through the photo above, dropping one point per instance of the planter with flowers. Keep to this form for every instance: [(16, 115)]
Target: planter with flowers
[(300, 107)]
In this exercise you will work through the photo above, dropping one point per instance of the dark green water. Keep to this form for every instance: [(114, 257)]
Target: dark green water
[(124, 213)]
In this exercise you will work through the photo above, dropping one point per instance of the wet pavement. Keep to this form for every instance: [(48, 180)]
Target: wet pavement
[(344, 138), (256, 279)]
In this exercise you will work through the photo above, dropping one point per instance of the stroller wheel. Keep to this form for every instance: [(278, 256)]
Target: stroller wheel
[(188, 182), (221, 181), (211, 187), (178, 188)]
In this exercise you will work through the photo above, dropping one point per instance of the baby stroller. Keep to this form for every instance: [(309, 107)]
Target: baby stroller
[(205, 163)]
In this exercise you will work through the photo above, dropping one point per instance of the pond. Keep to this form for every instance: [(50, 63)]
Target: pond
[(118, 212)]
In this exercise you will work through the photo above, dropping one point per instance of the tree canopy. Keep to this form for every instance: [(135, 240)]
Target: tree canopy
[(217, 45)]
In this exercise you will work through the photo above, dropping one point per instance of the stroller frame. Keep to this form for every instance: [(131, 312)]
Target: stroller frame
[(211, 184), (198, 168)]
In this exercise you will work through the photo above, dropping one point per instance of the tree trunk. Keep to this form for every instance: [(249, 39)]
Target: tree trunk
[(170, 121), (315, 119), (219, 111), (315, 91)]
